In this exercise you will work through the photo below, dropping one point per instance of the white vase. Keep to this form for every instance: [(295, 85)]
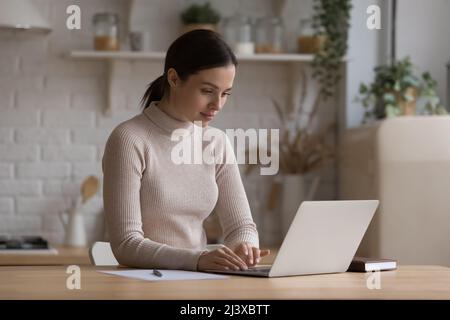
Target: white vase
[(294, 191), (73, 222)]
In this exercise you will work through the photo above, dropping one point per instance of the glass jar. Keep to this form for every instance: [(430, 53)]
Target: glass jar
[(269, 35), (228, 31), (106, 31), (244, 43), (308, 43), (238, 33)]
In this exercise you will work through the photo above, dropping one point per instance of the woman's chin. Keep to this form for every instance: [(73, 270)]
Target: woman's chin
[(203, 121)]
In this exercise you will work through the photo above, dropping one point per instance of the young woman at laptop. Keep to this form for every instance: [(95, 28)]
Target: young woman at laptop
[(155, 207)]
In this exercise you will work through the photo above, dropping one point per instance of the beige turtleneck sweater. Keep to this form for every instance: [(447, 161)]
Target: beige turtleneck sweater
[(155, 208)]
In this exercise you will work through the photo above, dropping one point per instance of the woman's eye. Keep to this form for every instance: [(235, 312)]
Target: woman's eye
[(205, 91)]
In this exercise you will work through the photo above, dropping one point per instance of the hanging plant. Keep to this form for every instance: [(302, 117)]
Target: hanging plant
[(331, 20)]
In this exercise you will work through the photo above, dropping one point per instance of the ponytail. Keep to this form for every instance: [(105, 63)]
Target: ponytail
[(154, 92)]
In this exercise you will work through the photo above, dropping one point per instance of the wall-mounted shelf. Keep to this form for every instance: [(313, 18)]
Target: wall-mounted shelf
[(133, 55), (113, 58)]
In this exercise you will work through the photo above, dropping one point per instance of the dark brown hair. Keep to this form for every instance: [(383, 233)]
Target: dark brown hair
[(192, 52)]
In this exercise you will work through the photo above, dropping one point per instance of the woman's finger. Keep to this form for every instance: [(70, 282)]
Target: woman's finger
[(239, 262), (249, 253), (241, 251), (245, 245), (232, 253), (226, 263), (256, 257), (263, 253), (234, 257), (230, 264), (250, 259), (236, 263), (218, 266), (242, 248)]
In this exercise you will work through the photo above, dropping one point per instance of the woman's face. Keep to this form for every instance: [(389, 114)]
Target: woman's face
[(203, 94)]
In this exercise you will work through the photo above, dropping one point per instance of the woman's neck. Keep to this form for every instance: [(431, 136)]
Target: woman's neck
[(168, 107)]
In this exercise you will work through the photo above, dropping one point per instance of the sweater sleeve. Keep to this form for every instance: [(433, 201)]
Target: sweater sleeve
[(123, 163), (232, 205)]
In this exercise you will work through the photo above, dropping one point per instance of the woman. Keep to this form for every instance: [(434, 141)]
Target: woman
[(154, 207)]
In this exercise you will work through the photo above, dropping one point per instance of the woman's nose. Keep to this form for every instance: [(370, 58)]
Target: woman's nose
[(216, 104)]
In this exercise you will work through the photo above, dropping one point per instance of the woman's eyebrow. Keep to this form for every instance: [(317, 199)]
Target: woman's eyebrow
[(213, 85)]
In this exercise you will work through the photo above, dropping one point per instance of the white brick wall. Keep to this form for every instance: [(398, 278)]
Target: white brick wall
[(89, 101), (73, 84), (12, 152), (6, 135), (34, 205), (61, 187), (25, 83), (20, 187), (6, 206), (43, 170), (43, 136), (6, 170), (14, 117), (9, 64), (70, 153), (96, 136), (68, 118), (52, 125), (7, 97), (21, 224), (42, 100)]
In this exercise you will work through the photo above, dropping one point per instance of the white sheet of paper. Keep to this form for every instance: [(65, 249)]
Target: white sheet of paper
[(147, 274)]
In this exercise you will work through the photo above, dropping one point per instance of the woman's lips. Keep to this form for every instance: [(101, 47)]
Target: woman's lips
[(209, 116)]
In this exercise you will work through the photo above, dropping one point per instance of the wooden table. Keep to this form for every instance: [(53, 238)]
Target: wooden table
[(71, 255), (49, 282), (65, 256)]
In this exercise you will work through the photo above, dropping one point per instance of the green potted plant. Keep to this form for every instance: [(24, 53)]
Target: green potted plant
[(200, 17), (396, 90), (330, 22)]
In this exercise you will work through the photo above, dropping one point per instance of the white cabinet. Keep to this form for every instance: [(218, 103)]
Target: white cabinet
[(405, 163)]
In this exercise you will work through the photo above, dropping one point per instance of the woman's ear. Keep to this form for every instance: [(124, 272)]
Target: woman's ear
[(172, 78)]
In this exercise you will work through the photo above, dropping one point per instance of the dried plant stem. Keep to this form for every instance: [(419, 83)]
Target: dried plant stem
[(316, 105), (299, 112)]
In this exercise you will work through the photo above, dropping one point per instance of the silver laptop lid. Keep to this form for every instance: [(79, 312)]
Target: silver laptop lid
[(323, 237)]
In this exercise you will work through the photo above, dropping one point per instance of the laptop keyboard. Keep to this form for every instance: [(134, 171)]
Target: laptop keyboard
[(259, 269)]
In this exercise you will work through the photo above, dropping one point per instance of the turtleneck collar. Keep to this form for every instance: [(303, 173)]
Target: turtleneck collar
[(164, 121)]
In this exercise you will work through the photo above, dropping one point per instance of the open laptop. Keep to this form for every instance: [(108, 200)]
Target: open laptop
[(322, 238)]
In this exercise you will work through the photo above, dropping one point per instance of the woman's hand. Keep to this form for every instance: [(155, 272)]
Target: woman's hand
[(251, 255), (220, 259)]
